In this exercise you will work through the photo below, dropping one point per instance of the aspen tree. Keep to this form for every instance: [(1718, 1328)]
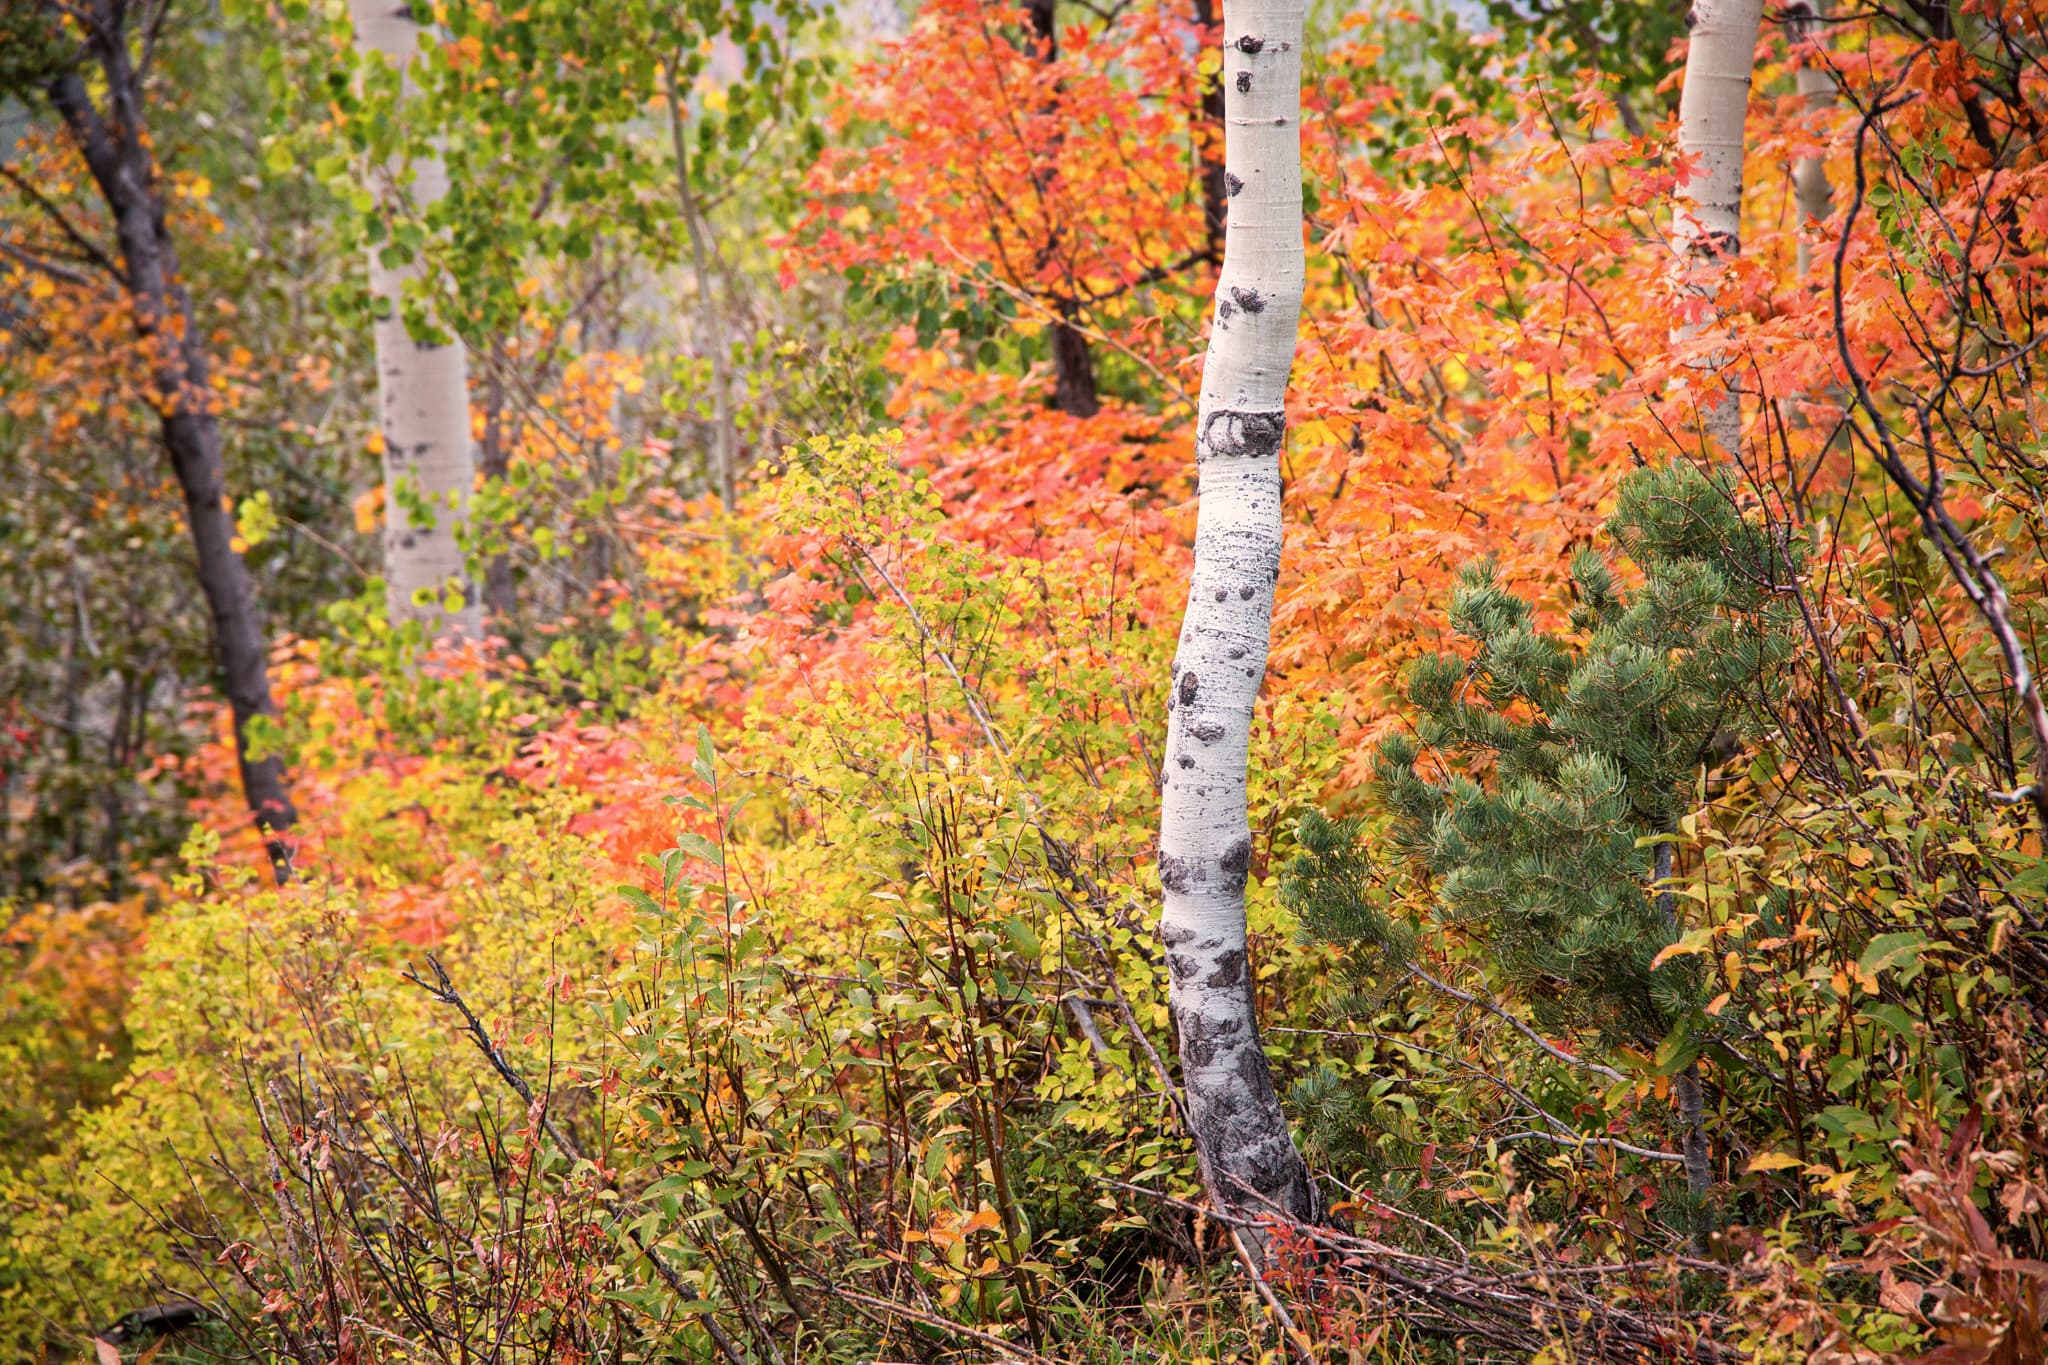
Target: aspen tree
[(1249, 1161), (422, 385), (1707, 234), (1707, 209), (1811, 193)]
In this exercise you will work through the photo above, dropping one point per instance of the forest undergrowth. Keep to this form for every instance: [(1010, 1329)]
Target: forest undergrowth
[(740, 943)]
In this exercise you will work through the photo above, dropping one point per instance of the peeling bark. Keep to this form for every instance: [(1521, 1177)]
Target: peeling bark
[(1707, 218), (115, 147), (1248, 1156), (422, 391)]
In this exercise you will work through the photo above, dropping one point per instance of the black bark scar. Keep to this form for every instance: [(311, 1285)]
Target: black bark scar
[(1230, 432)]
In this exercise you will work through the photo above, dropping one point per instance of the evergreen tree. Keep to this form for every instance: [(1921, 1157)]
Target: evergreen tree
[(1546, 774)]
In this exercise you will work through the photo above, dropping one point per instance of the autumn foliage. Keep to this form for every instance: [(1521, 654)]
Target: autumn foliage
[(797, 857)]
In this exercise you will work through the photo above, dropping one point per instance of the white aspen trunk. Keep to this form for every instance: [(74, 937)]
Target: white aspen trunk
[(422, 391), (1707, 234), (1249, 1160), (1707, 217), (1811, 193)]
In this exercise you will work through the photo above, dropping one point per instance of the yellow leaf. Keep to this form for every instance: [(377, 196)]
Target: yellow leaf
[(1676, 950), (1837, 1182), (1772, 1161), (985, 1219), (369, 510)]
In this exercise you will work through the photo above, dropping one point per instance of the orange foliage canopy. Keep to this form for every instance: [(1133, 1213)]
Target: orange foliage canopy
[(1487, 347)]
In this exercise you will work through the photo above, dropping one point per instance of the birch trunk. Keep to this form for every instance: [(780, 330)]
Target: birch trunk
[(422, 390), (1811, 193), (1249, 1160), (1707, 222)]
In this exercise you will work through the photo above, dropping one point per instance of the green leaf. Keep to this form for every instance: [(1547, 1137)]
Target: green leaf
[(697, 846), (1893, 1017), (1898, 952)]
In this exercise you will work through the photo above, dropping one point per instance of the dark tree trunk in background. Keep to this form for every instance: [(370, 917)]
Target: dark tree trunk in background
[(1074, 373), (494, 461), (1215, 189), (1073, 369), (122, 166)]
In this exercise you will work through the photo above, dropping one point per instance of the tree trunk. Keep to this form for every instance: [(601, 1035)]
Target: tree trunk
[(1073, 368), (422, 390), (1685, 1086), (1811, 192), (494, 462), (709, 329), (116, 151), (1707, 221), (1215, 189), (1248, 1157)]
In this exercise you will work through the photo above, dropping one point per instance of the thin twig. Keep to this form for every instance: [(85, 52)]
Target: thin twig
[(1531, 1034), (442, 989)]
